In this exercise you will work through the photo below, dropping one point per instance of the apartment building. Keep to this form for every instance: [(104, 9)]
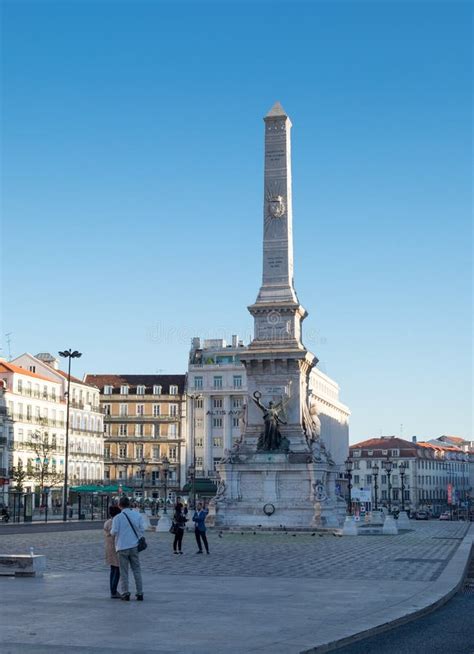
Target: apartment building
[(144, 426)]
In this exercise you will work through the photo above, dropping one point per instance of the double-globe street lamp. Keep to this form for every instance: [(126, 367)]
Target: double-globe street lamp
[(142, 473), (68, 354), (195, 397), (375, 473), (403, 471), (388, 467), (165, 467), (348, 464)]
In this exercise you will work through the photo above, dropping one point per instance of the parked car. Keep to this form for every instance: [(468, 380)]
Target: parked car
[(421, 515), (445, 516)]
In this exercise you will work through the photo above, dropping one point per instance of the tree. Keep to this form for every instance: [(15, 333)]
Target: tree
[(19, 475), (42, 470)]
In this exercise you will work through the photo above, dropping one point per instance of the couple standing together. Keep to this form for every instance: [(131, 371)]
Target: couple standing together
[(122, 533), (179, 525)]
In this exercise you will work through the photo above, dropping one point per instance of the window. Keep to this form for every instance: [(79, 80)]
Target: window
[(29, 412), (217, 382), (356, 465), (217, 442), (172, 452), (235, 421), (394, 480), (156, 410), (106, 429), (172, 430), (124, 409), (199, 462), (107, 452), (156, 452), (236, 402), (383, 479), (53, 394), (140, 409), (139, 429), (384, 452), (215, 462), (356, 452), (368, 479), (20, 386), (140, 390), (356, 479), (123, 390), (138, 451), (197, 383), (106, 409), (156, 431), (156, 390), (237, 381), (122, 451), (217, 403), (198, 403), (123, 430), (199, 441), (45, 392), (395, 493), (108, 390), (217, 422), (384, 494), (173, 390), (173, 410), (32, 368), (395, 452), (370, 452)]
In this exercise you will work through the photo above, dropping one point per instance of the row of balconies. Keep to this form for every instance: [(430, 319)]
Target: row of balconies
[(41, 422), (134, 461)]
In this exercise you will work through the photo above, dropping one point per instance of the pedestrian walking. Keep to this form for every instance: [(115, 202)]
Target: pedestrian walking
[(128, 527), (111, 556), (199, 519), (179, 524)]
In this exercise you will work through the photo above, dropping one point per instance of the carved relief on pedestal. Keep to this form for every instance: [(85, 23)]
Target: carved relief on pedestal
[(293, 487), (251, 486)]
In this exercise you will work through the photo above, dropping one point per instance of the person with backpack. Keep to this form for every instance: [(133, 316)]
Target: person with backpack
[(128, 528)]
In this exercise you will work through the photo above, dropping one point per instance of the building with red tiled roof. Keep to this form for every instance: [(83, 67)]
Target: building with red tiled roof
[(433, 470)]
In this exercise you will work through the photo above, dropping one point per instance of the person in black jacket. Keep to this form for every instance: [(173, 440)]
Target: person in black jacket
[(179, 523)]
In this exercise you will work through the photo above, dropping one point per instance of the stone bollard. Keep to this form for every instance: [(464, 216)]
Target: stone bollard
[(390, 526), (350, 527), (403, 521)]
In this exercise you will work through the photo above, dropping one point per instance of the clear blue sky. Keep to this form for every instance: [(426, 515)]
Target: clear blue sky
[(133, 174)]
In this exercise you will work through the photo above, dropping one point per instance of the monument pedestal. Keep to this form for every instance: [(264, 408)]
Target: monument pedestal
[(270, 491)]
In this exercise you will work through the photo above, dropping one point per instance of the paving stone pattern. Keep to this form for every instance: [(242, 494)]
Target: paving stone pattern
[(419, 555)]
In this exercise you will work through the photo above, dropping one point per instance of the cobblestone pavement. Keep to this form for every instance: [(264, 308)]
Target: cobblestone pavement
[(419, 555)]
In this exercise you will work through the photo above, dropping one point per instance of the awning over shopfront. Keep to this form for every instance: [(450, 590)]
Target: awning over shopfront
[(90, 488), (201, 487)]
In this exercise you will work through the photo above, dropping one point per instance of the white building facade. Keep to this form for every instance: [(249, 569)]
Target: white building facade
[(34, 404), (86, 426)]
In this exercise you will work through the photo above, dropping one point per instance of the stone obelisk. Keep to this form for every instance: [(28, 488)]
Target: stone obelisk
[(280, 472)]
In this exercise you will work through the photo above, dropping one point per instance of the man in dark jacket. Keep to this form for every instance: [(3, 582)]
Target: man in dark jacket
[(199, 519)]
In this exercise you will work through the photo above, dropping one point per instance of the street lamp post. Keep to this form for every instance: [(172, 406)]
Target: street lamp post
[(192, 468), (348, 464), (403, 468), (388, 467), (69, 354), (375, 472), (165, 466), (142, 472)]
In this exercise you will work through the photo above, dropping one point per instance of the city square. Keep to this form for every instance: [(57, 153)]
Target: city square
[(250, 225), (254, 592)]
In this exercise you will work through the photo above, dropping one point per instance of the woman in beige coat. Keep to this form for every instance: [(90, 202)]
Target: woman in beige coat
[(110, 554)]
